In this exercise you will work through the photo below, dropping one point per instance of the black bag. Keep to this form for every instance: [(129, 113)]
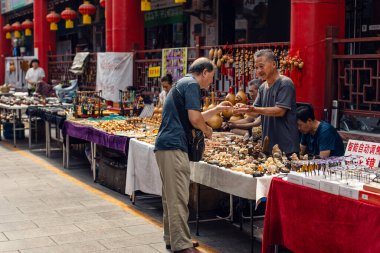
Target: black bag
[(195, 137)]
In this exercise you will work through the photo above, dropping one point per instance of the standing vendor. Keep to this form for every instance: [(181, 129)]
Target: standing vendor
[(318, 138), (34, 75), (166, 82), (276, 103)]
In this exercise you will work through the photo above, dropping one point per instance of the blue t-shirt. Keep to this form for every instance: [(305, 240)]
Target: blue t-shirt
[(325, 138), (172, 135)]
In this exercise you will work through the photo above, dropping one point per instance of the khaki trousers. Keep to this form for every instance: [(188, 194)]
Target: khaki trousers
[(175, 175)]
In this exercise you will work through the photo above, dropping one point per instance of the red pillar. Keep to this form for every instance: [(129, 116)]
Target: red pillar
[(44, 39), (127, 25), (309, 22), (5, 50), (109, 4)]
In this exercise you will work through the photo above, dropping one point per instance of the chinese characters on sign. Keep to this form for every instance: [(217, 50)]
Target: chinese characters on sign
[(154, 71), (370, 151), (174, 62)]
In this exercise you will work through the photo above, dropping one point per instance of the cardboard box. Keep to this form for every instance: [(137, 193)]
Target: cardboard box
[(312, 182), (349, 192), (329, 186), (369, 197)]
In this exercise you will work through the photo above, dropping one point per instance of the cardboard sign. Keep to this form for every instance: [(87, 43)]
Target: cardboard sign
[(154, 71), (370, 151)]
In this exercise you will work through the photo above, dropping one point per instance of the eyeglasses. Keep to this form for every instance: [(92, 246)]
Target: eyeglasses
[(251, 91)]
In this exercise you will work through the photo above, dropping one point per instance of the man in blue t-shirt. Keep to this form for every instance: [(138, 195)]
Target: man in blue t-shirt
[(318, 138), (171, 150)]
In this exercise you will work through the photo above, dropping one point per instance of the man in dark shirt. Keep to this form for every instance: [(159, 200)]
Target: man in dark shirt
[(276, 103), (171, 151), (318, 138)]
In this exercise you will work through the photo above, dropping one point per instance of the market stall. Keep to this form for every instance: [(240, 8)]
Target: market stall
[(308, 220)]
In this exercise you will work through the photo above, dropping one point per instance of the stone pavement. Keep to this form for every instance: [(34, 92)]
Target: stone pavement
[(44, 210)]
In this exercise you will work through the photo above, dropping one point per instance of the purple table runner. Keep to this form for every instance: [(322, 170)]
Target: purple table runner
[(87, 133)]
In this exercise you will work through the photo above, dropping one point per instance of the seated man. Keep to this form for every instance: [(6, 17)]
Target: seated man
[(318, 138)]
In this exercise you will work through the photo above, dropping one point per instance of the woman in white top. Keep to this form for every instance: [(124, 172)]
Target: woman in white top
[(166, 82), (34, 75)]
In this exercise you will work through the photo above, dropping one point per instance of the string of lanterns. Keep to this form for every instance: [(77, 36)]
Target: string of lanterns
[(86, 9)]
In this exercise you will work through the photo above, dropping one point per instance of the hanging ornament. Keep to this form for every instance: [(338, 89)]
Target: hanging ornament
[(69, 15), (145, 5), (179, 1), (8, 29), (27, 25), (17, 28), (102, 3), (53, 18), (87, 9)]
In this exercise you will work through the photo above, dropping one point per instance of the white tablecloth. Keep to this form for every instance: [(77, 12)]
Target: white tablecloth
[(14, 107), (234, 183), (142, 171), (143, 174)]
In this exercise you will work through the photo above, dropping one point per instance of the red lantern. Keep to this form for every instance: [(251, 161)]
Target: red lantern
[(53, 18), (27, 25), (8, 29), (69, 15), (102, 3), (87, 9), (17, 28)]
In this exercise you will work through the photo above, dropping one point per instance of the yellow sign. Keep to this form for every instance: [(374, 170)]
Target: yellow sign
[(154, 71)]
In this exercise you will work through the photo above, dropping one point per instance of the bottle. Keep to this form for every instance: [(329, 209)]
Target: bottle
[(334, 114)]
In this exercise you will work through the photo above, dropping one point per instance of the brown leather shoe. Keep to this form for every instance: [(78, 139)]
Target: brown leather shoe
[(195, 244), (188, 250)]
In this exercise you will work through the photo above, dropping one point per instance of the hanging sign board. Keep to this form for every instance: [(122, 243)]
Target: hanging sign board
[(154, 71), (11, 5), (174, 62), (370, 151)]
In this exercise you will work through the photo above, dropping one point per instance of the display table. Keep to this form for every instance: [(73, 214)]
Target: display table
[(142, 173), (307, 220), (52, 120), (231, 182), (16, 111), (95, 137)]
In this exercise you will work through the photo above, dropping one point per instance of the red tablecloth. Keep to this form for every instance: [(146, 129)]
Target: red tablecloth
[(307, 220)]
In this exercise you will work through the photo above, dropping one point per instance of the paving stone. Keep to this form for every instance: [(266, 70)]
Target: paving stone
[(122, 242), (68, 248), (26, 244), (94, 225), (134, 249), (89, 235), (3, 238), (64, 220), (40, 232), (83, 209), (141, 229), (18, 225), (115, 215), (35, 208), (9, 210)]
